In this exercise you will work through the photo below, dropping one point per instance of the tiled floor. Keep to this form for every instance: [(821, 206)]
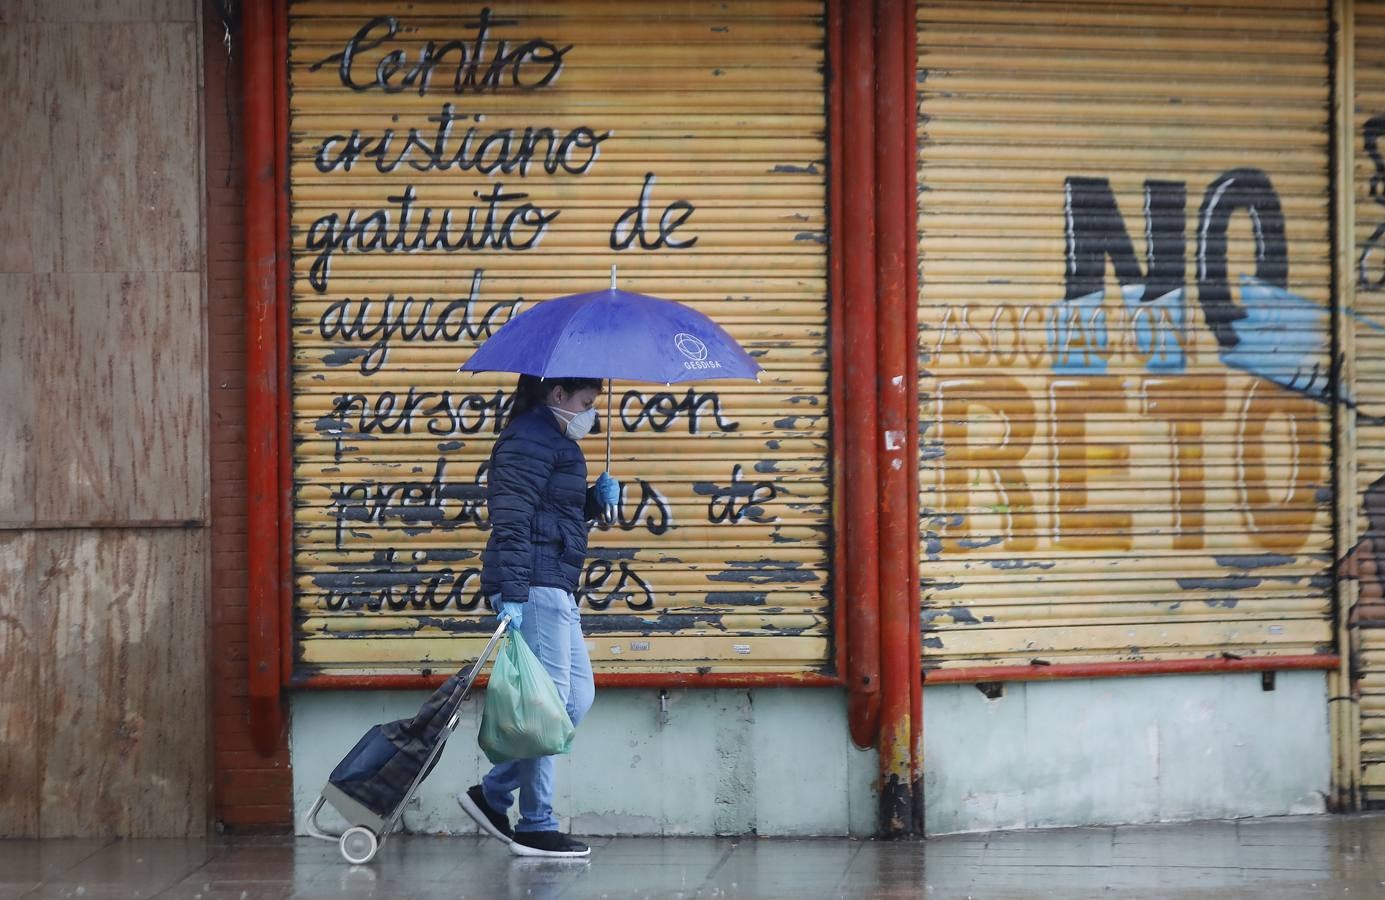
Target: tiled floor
[(1305, 857)]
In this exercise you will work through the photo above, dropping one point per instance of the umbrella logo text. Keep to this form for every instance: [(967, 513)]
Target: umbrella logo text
[(695, 350)]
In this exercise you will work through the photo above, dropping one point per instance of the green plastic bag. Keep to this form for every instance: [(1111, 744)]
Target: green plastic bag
[(523, 717)]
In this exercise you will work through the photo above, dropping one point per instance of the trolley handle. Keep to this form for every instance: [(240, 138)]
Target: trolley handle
[(485, 655)]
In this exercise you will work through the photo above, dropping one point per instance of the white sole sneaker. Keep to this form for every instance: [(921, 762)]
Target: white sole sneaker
[(479, 817), (519, 849)]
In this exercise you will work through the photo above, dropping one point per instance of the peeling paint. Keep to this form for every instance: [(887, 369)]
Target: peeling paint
[(1253, 561), (343, 356), (1013, 564), (735, 598), (1228, 583)]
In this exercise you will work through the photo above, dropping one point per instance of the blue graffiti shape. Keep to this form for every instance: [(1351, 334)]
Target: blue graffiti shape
[(1282, 338), (1159, 327), (1078, 332), (1077, 335)]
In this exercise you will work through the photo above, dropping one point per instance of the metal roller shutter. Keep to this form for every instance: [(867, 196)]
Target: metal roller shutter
[(550, 140), (1365, 560), (1125, 331)]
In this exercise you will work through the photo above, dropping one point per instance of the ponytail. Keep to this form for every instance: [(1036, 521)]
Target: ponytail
[(531, 392)]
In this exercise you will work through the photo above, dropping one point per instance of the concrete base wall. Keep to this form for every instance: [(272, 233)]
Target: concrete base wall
[(1125, 750), (769, 761)]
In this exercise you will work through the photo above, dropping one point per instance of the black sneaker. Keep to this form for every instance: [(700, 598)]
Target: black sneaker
[(494, 823), (547, 843)]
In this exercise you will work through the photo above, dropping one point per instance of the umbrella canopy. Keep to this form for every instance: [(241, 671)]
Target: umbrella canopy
[(614, 334)]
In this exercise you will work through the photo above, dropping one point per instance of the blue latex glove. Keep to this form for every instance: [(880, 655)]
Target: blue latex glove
[(515, 611), (608, 493)]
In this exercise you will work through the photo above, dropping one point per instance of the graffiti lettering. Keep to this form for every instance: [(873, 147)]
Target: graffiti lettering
[(999, 463), (399, 590), (401, 227), (436, 502), (426, 320), (1278, 519), (442, 413), (663, 409), (631, 225), (652, 512), (1096, 230), (1153, 300), (573, 152), (1248, 191), (472, 70), (1366, 281), (597, 592), (739, 500), (1269, 332)]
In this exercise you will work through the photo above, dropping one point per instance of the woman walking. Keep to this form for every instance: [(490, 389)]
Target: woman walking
[(540, 513)]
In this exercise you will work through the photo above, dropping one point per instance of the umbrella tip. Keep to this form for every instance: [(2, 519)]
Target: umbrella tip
[(613, 276)]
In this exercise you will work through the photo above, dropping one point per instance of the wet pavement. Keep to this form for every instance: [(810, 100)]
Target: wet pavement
[(1300, 857)]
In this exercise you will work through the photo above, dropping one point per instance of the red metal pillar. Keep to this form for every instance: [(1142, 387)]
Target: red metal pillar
[(910, 199), (855, 242), (281, 313), (262, 371), (898, 536)]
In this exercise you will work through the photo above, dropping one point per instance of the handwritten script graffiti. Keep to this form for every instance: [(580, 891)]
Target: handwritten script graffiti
[(739, 500), (662, 410), (428, 186), (502, 150), (1367, 280), (437, 502), (426, 320), (401, 227), (472, 70), (605, 582)]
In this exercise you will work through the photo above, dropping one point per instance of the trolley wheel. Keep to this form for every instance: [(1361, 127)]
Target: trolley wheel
[(358, 845)]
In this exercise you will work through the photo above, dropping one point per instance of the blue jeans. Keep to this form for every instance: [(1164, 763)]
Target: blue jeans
[(553, 630)]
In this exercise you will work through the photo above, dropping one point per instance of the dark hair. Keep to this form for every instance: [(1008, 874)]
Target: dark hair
[(531, 391)]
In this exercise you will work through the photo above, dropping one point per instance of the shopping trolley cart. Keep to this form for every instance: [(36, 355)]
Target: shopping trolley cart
[(375, 781)]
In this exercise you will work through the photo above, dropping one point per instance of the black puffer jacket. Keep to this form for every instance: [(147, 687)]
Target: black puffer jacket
[(539, 507)]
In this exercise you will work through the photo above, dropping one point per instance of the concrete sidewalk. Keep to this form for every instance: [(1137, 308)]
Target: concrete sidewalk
[(1301, 857)]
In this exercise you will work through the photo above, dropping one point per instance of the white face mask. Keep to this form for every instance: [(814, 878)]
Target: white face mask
[(577, 425)]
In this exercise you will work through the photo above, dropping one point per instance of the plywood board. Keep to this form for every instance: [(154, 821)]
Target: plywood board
[(19, 684), (120, 398), (28, 236), (127, 135), (123, 697), (85, 11), (16, 406)]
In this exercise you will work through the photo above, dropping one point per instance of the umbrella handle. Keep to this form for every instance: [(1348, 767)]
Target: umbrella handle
[(609, 426)]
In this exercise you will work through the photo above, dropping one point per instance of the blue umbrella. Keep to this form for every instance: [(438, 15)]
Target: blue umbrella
[(614, 334)]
